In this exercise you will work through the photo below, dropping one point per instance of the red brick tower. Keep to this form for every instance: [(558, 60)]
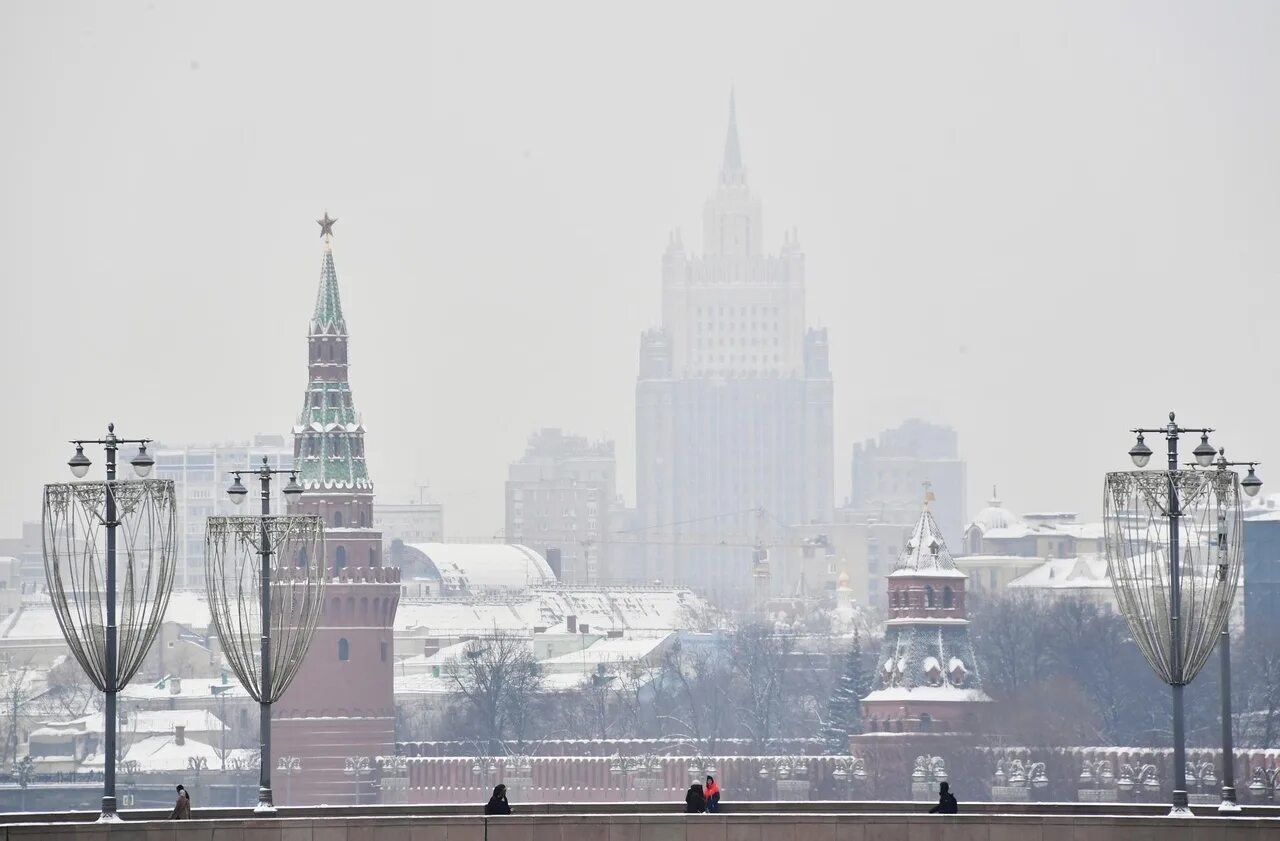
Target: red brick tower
[(927, 677), (341, 703)]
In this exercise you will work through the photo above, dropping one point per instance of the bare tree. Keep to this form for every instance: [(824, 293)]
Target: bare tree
[(498, 682), (16, 693), (759, 657)]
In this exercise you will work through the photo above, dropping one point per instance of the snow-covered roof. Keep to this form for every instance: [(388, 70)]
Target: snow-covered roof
[(486, 566), (994, 516), (1080, 573), (925, 553), (32, 621), (162, 753), (188, 607), (606, 651), (946, 692), (602, 609), (452, 617), (187, 688)]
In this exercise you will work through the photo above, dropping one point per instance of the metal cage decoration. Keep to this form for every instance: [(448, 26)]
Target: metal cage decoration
[(265, 577), (1141, 545), (77, 531), (234, 581)]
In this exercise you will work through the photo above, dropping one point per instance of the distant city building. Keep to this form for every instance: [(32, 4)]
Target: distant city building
[(28, 549), (560, 495), (1002, 547), (412, 522), (1262, 570), (733, 399), (340, 703), (201, 475), (888, 475)]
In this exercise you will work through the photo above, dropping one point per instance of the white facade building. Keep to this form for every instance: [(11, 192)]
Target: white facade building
[(733, 399), (201, 476)]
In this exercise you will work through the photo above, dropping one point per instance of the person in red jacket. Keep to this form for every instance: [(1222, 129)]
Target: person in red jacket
[(712, 791)]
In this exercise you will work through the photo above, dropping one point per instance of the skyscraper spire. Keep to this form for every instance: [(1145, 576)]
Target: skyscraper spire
[(731, 171)]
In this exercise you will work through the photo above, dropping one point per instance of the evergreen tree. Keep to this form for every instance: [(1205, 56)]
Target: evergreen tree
[(844, 711)]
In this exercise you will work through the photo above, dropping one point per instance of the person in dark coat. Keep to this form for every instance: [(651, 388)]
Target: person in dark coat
[(498, 804), (181, 809), (712, 792), (695, 801), (947, 804)]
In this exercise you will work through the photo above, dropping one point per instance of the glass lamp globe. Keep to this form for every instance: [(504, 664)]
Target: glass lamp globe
[(1141, 453), (1204, 451), (79, 463), (142, 462), (1251, 484)]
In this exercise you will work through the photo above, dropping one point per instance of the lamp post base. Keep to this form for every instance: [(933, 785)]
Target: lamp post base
[(109, 813), (1229, 804), (265, 805), (1180, 808)]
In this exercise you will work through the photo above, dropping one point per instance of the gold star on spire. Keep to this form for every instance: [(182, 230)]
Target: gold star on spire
[(326, 226)]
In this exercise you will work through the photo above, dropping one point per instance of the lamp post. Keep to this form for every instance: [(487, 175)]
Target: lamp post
[(624, 768), (1135, 778), (1250, 484), (355, 767), (83, 584), (1264, 782), (289, 765), (1136, 582), (928, 772), (238, 492), (849, 771), (276, 562)]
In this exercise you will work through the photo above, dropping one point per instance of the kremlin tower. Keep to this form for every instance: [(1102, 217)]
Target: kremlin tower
[(927, 677), (341, 703)]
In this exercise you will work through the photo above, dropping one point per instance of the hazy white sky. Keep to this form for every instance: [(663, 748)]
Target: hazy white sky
[(1008, 211)]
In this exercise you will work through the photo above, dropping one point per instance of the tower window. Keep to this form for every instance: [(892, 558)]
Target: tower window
[(344, 649), (948, 598), (928, 596), (337, 519), (340, 558), (382, 651)]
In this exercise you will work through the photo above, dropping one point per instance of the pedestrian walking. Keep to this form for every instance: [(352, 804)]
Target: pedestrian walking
[(181, 809)]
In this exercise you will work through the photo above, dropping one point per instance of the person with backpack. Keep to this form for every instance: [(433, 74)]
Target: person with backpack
[(947, 804)]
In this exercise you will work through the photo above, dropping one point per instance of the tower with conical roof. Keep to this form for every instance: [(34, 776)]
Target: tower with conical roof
[(733, 402), (341, 702), (927, 676)]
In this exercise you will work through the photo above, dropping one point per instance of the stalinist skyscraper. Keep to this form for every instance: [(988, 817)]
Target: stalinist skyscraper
[(733, 400)]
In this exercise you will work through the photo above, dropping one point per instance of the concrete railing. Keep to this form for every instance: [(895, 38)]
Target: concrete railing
[(795, 825), (469, 811)]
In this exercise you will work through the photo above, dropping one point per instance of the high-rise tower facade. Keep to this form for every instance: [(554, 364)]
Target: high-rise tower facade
[(733, 400), (341, 702)]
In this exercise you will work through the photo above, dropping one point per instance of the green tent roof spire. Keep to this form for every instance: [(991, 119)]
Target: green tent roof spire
[(328, 315)]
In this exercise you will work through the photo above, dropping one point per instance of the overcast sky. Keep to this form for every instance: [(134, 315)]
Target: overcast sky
[(1039, 223)]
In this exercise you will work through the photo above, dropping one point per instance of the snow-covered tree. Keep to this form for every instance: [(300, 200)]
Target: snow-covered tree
[(844, 711)]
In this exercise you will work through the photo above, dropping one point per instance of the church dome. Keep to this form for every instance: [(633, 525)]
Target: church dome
[(995, 515), (842, 582)]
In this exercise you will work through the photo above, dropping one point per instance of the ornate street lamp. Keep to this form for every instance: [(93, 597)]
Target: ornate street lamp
[(1230, 555), (265, 579), (1134, 778), (356, 767), (289, 765), (1164, 567), (82, 523), (1264, 782)]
